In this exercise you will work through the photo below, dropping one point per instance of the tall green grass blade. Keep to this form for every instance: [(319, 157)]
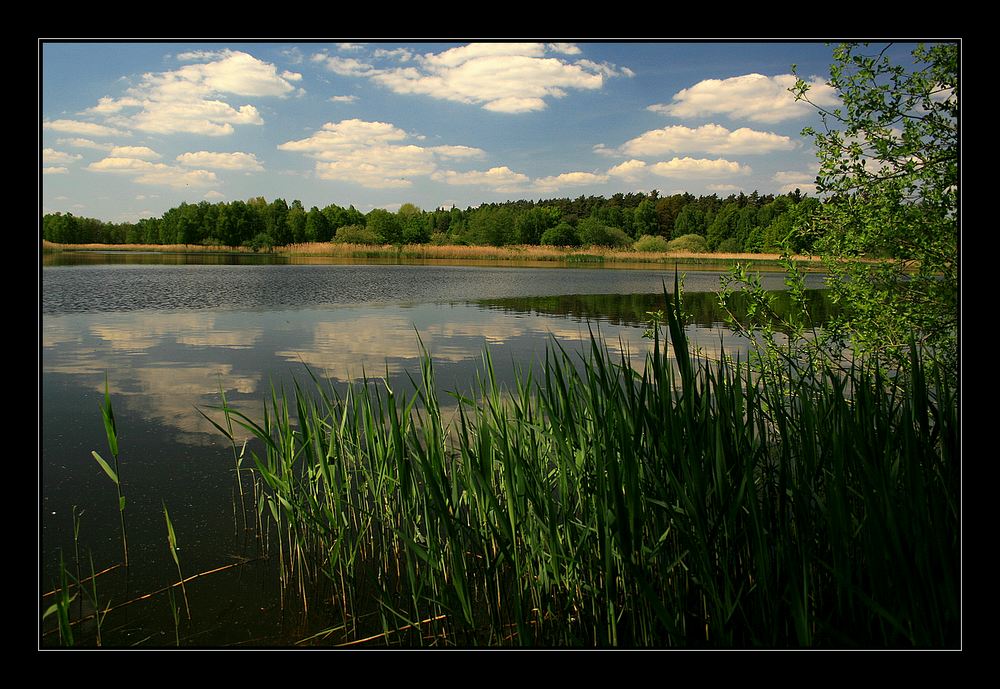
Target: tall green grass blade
[(104, 465), (693, 503), (111, 430), (172, 543)]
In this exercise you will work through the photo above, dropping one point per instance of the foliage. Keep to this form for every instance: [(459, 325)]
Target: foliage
[(111, 432), (355, 234), (786, 339), (261, 242), (523, 222), (686, 505), (172, 544), (385, 226), (492, 224), (691, 243), (562, 234), (317, 227), (593, 232), (530, 226), (889, 229), (650, 243), (415, 224)]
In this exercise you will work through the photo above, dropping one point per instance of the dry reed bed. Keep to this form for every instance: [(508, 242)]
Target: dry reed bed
[(442, 252)]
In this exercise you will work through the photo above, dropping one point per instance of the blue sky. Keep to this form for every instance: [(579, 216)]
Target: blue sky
[(129, 130)]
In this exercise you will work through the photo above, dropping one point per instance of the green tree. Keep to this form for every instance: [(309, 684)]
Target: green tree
[(296, 222), (276, 222), (690, 220), (723, 225), (384, 226), (646, 220), (414, 224), (595, 233), (317, 226), (562, 234), (888, 157)]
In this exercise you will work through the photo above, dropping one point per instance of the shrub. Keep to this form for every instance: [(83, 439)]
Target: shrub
[(562, 234), (355, 234), (692, 243), (730, 245), (648, 242), (261, 242), (617, 238)]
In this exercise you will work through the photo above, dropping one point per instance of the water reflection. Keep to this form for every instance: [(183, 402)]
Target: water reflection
[(166, 352), (166, 363)]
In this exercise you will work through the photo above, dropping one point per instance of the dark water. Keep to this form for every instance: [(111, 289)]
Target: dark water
[(169, 338), (226, 287)]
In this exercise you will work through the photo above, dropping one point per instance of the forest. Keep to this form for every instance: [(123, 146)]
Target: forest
[(740, 223)]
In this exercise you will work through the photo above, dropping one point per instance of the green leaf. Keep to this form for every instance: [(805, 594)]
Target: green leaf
[(107, 469), (110, 428), (171, 536)]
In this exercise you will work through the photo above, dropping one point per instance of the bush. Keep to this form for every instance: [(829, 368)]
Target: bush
[(595, 233), (562, 234), (617, 238), (261, 242), (355, 234), (691, 243), (730, 245), (648, 242)]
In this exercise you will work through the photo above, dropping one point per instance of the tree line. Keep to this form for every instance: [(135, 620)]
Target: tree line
[(737, 223)]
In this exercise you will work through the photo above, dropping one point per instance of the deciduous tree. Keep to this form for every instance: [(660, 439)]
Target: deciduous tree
[(889, 228)]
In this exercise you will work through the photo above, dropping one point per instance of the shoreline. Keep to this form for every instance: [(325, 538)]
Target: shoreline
[(520, 253)]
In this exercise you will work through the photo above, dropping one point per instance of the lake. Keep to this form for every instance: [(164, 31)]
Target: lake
[(169, 336)]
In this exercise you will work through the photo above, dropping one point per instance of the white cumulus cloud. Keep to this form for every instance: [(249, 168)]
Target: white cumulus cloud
[(344, 66), (119, 164), (630, 170), (372, 153), (699, 168), (569, 179), (157, 174), (55, 170), (143, 152), (496, 178), (500, 77), (53, 157), (79, 127), (200, 55), (401, 54), (709, 138), (790, 180), (193, 98), (221, 161), (78, 142), (565, 48), (754, 97)]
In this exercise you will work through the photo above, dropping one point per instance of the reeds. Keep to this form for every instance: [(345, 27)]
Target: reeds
[(452, 252), (690, 505), (111, 431), (172, 544)]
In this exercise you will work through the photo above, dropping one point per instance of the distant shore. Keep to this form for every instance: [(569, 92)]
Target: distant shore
[(450, 252)]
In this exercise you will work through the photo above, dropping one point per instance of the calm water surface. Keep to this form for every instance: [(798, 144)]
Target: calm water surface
[(169, 338)]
